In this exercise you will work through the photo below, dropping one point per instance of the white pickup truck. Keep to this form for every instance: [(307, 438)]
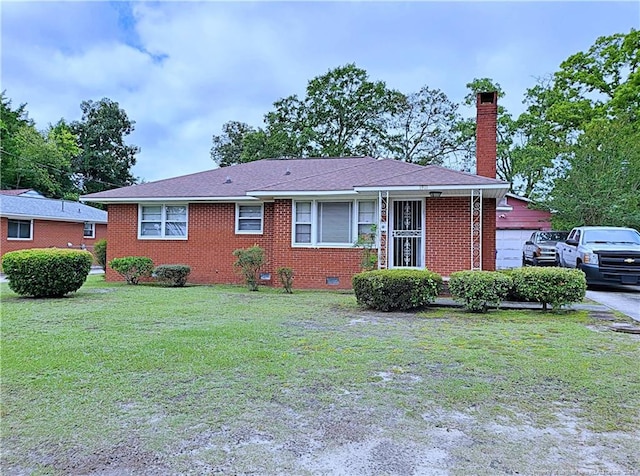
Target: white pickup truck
[(607, 255)]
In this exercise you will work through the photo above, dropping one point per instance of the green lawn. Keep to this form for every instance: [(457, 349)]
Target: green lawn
[(137, 379)]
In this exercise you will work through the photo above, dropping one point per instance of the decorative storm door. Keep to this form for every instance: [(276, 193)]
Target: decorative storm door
[(407, 236)]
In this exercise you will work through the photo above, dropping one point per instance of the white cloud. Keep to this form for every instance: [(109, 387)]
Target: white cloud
[(182, 69)]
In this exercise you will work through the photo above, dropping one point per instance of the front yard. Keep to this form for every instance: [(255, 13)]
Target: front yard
[(122, 379)]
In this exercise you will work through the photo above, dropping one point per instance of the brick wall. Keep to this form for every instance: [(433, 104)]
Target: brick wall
[(212, 240), (208, 249), (448, 234), (48, 233)]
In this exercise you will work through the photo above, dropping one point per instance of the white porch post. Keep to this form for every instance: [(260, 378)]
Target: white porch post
[(476, 229)]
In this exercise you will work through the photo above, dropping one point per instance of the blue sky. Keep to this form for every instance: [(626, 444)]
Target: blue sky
[(182, 69)]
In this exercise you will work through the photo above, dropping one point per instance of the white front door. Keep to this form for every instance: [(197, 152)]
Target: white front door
[(406, 249)]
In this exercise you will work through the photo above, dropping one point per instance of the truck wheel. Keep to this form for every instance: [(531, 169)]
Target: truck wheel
[(524, 261), (534, 262)]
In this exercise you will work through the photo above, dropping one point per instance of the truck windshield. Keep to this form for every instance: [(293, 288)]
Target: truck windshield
[(612, 236), (551, 236)]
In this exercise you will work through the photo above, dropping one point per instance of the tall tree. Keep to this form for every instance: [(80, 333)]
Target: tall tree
[(343, 113), (346, 112), (598, 183), (535, 147), (34, 159), (602, 82), (424, 128), (227, 148), (596, 89), (105, 160), (11, 122), (62, 138)]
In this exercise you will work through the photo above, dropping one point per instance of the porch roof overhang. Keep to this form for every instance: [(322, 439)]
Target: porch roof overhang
[(488, 191)]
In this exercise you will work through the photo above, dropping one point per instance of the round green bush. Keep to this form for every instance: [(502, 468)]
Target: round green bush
[(132, 268), (479, 289), (46, 272), (172, 275), (396, 289)]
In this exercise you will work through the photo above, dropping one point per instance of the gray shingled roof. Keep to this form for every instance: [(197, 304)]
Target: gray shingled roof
[(48, 209), (16, 192), (277, 176)]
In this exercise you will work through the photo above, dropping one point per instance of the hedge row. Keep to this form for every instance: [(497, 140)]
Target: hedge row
[(395, 289), (478, 290), (135, 268)]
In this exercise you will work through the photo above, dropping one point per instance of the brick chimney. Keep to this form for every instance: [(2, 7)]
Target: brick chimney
[(486, 133)]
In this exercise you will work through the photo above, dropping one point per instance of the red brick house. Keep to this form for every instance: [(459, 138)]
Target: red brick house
[(29, 220), (308, 213)]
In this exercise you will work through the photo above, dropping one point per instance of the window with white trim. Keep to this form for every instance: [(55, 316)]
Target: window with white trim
[(89, 230), (367, 215), (302, 222), (162, 222), (332, 223), (249, 219), (19, 229)]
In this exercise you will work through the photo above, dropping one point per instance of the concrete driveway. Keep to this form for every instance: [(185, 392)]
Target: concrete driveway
[(625, 299)]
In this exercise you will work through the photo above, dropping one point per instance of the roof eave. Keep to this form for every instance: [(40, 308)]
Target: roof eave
[(125, 200), (498, 187), (29, 216)]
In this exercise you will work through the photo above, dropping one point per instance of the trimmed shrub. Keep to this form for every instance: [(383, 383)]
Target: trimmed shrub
[(286, 278), (396, 289), (46, 272), (100, 252), (249, 261), (555, 286), (479, 289), (132, 268), (173, 275)]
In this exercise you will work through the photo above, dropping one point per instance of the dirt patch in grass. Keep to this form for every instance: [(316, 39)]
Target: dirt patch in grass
[(354, 441)]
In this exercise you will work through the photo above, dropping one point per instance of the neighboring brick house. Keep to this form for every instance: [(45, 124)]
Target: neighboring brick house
[(308, 213), (515, 222), (29, 220)]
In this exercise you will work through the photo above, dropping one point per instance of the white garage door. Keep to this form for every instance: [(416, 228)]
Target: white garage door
[(509, 247)]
